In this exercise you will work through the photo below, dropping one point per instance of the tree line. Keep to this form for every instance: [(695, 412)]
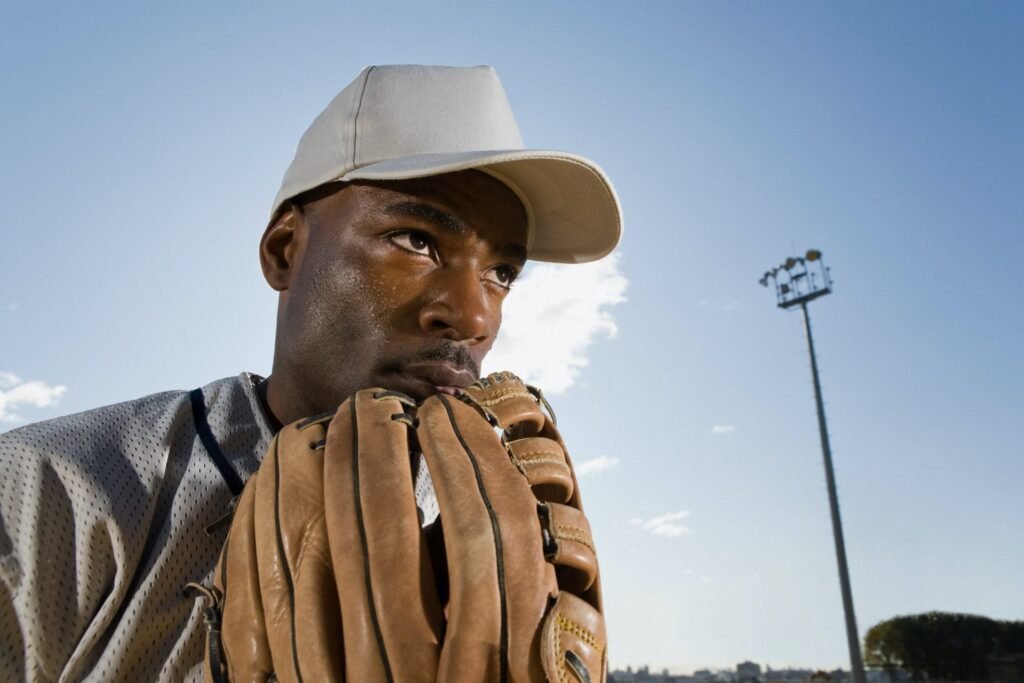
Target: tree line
[(941, 645)]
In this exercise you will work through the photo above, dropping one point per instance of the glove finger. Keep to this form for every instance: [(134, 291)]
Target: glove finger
[(244, 650), (570, 546), (493, 543), (543, 462), (390, 610), (296, 577), (510, 401), (517, 409), (573, 642)]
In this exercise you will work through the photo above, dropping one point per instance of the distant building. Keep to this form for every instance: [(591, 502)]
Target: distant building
[(748, 671), (788, 675)]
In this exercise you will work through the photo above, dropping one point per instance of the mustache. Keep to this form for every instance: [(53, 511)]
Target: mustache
[(455, 355)]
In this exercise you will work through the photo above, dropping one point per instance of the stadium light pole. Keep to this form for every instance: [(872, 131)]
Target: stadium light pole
[(798, 281)]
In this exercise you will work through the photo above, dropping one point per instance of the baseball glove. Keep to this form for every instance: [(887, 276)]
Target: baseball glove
[(328, 575)]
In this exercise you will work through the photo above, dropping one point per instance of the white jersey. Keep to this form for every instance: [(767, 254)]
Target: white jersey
[(103, 520)]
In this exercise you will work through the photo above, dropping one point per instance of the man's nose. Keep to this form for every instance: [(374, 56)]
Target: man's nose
[(459, 307)]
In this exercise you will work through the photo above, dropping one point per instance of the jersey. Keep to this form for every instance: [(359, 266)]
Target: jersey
[(103, 520)]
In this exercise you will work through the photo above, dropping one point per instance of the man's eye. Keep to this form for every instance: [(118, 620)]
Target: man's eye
[(415, 242), (503, 276)]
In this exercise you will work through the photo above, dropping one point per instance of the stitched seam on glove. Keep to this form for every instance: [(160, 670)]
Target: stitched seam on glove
[(576, 534), (505, 395), (541, 457), (562, 667), (583, 634), (570, 626)]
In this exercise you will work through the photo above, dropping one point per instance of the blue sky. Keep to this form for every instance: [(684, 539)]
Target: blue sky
[(143, 147)]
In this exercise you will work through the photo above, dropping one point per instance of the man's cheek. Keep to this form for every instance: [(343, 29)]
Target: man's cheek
[(381, 309)]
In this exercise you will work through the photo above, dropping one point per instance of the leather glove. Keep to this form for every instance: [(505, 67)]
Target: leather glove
[(328, 575)]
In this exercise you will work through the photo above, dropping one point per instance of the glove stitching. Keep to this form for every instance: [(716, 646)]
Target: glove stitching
[(577, 534), (558, 650), (540, 457), (504, 395), (570, 626)]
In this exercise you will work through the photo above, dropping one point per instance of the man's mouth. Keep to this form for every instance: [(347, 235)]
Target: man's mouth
[(431, 377)]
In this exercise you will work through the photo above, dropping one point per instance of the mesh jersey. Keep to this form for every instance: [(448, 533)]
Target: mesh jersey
[(102, 523)]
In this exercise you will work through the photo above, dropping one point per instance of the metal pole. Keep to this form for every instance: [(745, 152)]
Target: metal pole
[(856, 665)]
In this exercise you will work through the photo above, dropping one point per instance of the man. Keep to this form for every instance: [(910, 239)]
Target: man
[(405, 217)]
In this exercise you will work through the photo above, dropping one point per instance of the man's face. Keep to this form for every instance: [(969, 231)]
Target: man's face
[(399, 285)]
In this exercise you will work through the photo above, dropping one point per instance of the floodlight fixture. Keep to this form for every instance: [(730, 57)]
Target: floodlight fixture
[(796, 282)]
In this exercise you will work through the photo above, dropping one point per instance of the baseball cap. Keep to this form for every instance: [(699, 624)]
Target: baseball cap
[(408, 121)]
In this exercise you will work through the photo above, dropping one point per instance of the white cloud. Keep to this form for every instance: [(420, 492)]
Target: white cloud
[(596, 465), (723, 429), (664, 525), (15, 392), (553, 315)]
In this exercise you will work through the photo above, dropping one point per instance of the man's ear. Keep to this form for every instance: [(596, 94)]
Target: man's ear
[(281, 245)]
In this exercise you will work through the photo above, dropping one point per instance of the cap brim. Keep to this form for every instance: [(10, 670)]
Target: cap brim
[(571, 207)]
